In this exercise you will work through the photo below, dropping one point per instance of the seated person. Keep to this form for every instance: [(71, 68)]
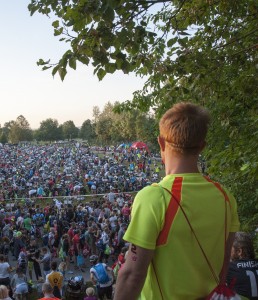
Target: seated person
[(243, 267)]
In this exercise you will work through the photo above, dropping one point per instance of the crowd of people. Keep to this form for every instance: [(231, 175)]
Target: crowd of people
[(73, 169), (178, 238), (55, 243), (67, 229)]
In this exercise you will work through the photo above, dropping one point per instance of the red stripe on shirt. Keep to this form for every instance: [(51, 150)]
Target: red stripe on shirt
[(218, 186), (171, 211)]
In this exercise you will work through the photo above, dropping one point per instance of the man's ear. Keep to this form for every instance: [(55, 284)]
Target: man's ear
[(239, 253), (161, 142)]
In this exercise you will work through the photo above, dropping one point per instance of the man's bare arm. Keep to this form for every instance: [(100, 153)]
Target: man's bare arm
[(132, 276)]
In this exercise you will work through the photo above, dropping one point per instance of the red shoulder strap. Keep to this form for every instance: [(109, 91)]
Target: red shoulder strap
[(171, 211)]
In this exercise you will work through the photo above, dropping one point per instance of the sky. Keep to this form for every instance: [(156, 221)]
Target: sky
[(27, 90)]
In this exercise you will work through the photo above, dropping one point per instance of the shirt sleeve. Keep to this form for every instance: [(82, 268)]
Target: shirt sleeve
[(147, 220)]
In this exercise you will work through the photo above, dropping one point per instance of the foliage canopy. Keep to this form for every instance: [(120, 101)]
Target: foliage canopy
[(204, 51)]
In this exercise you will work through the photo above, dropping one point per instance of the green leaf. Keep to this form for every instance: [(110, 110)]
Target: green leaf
[(62, 72), (171, 42), (33, 8), (110, 68), (183, 33), (55, 24), (101, 73), (56, 68), (58, 31), (244, 167), (72, 63), (40, 62), (109, 14), (46, 68)]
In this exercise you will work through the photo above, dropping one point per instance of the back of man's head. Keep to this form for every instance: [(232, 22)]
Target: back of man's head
[(184, 127), (47, 288)]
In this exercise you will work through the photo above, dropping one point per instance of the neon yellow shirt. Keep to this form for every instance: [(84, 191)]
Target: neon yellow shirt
[(179, 270)]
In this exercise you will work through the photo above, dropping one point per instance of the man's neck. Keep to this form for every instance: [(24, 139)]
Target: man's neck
[(179, 164), (49, 296)]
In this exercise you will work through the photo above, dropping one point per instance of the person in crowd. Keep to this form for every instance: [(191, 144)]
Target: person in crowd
[(90, 292), (5, 270), (71, 235), (33, 253), (55, 279), (19, 284), (103, 255), (99, 277), (6, 228), (18, 244), (22, 263), (51, 241), (45, 261), (243, 267), (120, 235), (76, 246), (47, 291), (165, 260), (27, 222), (4, 293), (62, 269), (64, 251), (126, 211)]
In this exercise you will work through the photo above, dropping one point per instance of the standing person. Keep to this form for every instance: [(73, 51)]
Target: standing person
[(19, 284), (27, 222), (243, 267), (164, 260), (17, 244), (99, 277), (71, 235), (55, 279), (126, 211), (33, 255), (64, 249), (46, 261), (5, 270)]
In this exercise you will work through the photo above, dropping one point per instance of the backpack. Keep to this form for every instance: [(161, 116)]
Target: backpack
[(75, 283), (23, 264), (100, 245), (102, 275), (39, 219)]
